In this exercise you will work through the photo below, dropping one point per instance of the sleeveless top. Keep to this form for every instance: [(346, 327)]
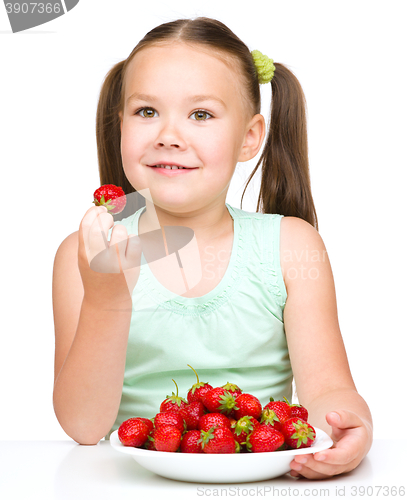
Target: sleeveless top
[(235, 333)]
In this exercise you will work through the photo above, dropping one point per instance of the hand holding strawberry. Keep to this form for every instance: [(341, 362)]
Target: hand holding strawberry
[(109, 269)]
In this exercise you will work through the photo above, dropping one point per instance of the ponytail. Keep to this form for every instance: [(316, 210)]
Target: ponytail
[(285, 184)]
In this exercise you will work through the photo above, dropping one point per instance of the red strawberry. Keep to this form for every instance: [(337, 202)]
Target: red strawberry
[(280, 412), (218, 440), (233, 389), (148, 423), (149, 444), (298, 411), (247, 405), (213, 420), (232, 421), (191, 414), (269, 417), (298, 433), (189, 442), (167, 438), (218, 400), (264, 438), (110, 196), (198, 390), (169, 418), (174, 402), (133, 432), (243, 427)]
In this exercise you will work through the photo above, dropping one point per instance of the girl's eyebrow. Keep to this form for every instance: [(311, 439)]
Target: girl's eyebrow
[(196, 98)]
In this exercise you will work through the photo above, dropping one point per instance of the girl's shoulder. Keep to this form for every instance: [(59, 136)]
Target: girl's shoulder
[(295, 231), (301, 246)]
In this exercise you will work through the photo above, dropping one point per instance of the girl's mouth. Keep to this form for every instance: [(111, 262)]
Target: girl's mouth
[(170, 170)]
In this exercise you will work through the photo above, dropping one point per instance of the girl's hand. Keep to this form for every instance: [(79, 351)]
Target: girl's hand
[(109, 269), (350, 435)]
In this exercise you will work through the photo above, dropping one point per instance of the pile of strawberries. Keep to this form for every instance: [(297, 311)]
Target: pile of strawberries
[(219, 420)]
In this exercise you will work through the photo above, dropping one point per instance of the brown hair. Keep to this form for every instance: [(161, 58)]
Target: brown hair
[(285, 184)]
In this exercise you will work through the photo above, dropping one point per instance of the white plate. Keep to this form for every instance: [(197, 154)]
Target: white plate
[(219, 468)]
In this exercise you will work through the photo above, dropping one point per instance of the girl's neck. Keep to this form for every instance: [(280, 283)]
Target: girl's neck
[(207, 226)]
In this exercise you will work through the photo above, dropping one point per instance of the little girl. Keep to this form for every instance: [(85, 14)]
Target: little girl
[(261, 307)]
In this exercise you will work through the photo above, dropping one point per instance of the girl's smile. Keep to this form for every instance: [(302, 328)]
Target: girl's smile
[(172, 170)]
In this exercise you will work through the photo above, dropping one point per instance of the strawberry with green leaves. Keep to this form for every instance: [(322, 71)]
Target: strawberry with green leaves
[(198, 390), (233, 389), (110, 196), (218, 400), (174, 402), (275, 413), (219, 440), (243, 427), (298, 433)]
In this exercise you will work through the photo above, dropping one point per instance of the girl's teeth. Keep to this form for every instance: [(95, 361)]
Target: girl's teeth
[(168, 166)]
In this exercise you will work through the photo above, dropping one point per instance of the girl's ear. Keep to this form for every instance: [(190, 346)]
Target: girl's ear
[(255, 132)]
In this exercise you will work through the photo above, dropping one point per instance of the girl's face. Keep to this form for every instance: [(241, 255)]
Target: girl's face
[(184, 107)]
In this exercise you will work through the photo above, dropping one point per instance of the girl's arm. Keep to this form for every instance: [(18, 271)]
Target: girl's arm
[(92, 312), (318, 357)]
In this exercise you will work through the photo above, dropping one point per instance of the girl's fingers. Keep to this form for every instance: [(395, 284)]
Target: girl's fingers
[(128, 248), (309, 473), (119, 233), (314, 470), (98, 233), (86, 224), (90, 217)]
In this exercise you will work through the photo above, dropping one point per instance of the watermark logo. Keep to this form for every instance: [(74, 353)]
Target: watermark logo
[(24, 15)]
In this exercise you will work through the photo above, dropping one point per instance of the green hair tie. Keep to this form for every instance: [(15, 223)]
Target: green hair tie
[(264, 66)]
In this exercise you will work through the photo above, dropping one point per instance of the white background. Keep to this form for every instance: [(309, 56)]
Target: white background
[(350, 59)]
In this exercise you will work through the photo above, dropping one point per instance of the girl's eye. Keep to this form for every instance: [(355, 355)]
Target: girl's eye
[(201, 115), (146, 112)]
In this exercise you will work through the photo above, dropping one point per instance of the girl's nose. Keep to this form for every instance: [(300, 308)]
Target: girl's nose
[(170, 137)]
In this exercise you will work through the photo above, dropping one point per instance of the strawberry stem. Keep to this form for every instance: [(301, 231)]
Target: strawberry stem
[(197, 378), (175, 385)]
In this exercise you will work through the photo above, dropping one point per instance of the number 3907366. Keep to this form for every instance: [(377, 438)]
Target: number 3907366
[(26, 8)]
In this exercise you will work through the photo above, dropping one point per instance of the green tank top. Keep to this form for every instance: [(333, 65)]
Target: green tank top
[(235, 333)]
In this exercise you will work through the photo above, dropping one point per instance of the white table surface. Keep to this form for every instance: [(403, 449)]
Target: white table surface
[(64, 470)]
